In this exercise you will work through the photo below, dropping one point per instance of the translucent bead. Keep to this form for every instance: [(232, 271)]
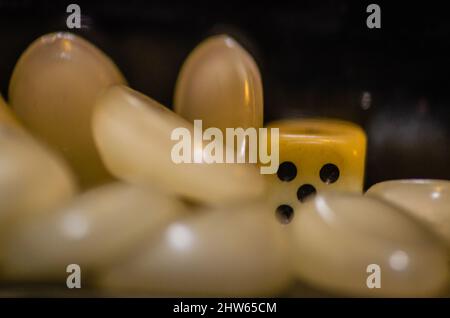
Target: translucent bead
[(225, 251), (427, 200), (133, 135), (338, 238), (53, 89), (33, 180), (220, 84), (92, 231)]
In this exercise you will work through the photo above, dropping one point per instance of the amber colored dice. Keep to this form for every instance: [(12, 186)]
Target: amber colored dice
[(315, 155)]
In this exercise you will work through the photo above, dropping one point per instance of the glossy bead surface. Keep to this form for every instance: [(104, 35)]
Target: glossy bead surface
[(336, 236), (33, 180), (427, 200), (220, 84), (133, 135), (93, 230), (226, 251), (53, 89)]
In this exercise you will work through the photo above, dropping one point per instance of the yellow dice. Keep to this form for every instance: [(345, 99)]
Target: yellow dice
[(315, 155)]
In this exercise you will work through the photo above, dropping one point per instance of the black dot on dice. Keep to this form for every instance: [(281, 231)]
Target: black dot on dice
[(287, 171), (285, 213), (329, 173), (305, 191)]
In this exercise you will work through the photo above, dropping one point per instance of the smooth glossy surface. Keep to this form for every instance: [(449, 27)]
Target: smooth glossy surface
[(133, 135), (53, 89), (427, 200), (6, 115), (220, 84), (95, 229), (336, 236), (309, 150), (236, 252), (33, 180)]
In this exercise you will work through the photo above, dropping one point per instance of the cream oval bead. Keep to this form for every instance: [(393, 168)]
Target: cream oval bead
[(93, 230), (427, 200), (133, 135), (53, 88), (33, 180), (220, 84), (220, 252), (335, 237)]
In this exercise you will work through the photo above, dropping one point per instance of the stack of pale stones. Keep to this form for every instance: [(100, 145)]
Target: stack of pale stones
[(86, 178)]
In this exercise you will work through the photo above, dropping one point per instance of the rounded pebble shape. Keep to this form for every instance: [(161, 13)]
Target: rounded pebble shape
[(220, 84), (93, 230), (6, 115), (427, 200), (133, 135), (33, 180), (336, 236), (219, 252), (53, 89)]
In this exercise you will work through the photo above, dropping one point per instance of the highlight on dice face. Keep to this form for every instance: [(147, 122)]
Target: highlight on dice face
[(315, 155)]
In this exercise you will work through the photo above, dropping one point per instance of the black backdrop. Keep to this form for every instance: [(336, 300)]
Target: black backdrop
[(317, 58)]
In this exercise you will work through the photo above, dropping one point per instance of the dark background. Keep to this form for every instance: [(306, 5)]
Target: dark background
[(317, 58)]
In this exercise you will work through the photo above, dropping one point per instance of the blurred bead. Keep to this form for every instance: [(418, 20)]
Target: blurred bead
[(337, 236), (220, 83), (33, 180), (427, 200), (133, 135), (95, 229), (221, 252), (53, 89)]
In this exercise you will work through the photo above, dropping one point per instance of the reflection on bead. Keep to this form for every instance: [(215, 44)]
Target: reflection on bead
[(220, 84), (427, 200), (53, 89), (337, 236), (133, 135), (226, 251), (33, 180), (95, 229)]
